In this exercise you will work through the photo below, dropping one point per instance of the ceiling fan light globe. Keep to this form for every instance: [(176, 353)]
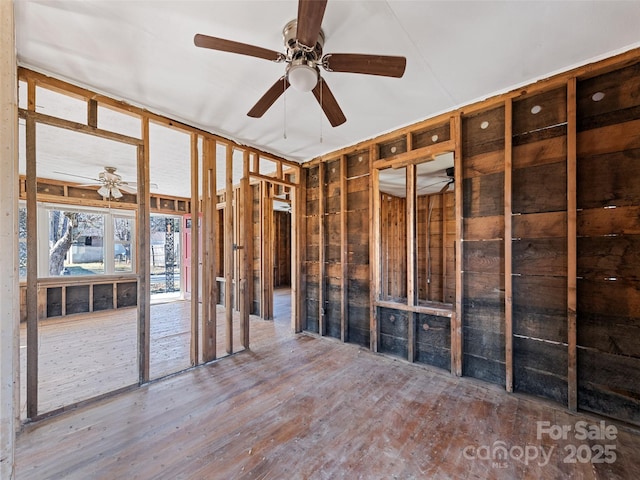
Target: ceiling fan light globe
[(115, 193), (302, 77), (103, 191)]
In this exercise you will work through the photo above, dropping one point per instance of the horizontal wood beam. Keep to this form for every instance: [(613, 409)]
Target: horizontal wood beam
[(412, 156), (274, 180), (75, 126), (427, 310)]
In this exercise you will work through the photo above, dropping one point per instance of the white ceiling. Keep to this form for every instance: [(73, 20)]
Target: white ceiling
[(457, 52)]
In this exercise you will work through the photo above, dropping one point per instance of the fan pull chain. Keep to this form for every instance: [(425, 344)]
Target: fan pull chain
[(284, 93)]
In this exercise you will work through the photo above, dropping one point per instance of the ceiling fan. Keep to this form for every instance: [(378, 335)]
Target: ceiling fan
[(303, 41), (110, 183)]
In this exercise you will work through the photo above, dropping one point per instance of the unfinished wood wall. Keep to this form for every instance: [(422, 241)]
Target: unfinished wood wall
[(336, 260), (393, 247), (435, 231), (608, 244), (483, 263), (539, 245), (548, 294), (256, 220), (282, 249)]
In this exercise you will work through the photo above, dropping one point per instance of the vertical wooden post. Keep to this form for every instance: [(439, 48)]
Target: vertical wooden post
[(32, 257), (508, 285), (344, 251), (374, 249), (298, 256), (143, 240), (92, 113), (266, 250), (411, 259), (572, 206), (443, 233), (228, 249), (322, 328), (210, 240), (9, 277), (246, 253), (195, 251), (456, 318)]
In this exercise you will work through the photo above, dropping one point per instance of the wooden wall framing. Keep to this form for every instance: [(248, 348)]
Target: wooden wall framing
[(202, 204), (546, 189)]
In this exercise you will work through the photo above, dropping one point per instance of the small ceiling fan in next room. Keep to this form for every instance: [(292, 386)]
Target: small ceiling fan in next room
[(303, 41), (110, 183)]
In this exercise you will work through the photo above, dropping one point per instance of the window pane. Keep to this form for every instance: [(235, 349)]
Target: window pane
[(165, 254), (122, 231), (75, 243)]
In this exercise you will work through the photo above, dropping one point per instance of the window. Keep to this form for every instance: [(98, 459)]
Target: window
[(122, 247), (85, 241)]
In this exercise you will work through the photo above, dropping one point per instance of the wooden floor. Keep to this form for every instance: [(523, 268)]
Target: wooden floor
[(84, 356), (302, 407)]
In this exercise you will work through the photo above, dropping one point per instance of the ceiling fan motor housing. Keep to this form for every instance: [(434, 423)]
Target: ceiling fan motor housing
[(290, 36)]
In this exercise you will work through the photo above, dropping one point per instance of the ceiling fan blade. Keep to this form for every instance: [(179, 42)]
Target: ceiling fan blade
[(223, 45), (328, 103), (127, 188), (89, 185), (80, 176), (152, 186), (269, 98), (310, 13), (384, 65)]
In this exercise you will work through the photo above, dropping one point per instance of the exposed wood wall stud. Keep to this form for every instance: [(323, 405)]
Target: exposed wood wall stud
[(572, 374), (508, 289)]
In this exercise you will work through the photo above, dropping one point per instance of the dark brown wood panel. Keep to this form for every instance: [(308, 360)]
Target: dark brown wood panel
[(486, 256), (540, 225), (392, 147), (484, 195), (552, 150), (358, 163), (619, 98), (608, 384), (540, 256), (540, 368), (609, 179), (483, 132), (540, 111), (431, 136), (433, 340), (394, 326), (540, 188), (484, 228), (609, 221), (609, 257)]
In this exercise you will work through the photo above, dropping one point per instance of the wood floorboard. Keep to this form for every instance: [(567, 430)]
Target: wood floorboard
[(84, 356), (303, 407)]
